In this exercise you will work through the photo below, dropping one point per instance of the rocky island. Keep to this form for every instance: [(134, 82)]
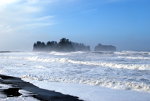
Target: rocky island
[(64, 45), (101, 47)]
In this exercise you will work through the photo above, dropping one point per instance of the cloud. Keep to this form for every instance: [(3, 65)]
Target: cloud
[(6, 2), (16, 13), (23, 21)]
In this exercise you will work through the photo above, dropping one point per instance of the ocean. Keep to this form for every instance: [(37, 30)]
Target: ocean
[(125, 70)]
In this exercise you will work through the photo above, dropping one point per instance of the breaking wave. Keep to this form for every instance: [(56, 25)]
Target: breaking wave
[(131, 53), (96, 82), (92, 63), (128, 70)]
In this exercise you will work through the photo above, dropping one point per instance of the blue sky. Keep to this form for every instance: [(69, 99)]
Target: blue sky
[(123, 23)]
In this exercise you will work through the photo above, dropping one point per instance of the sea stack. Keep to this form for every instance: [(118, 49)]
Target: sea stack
[(101, 47)]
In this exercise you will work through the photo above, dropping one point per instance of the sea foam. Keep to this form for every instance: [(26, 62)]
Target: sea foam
[(119, 70)]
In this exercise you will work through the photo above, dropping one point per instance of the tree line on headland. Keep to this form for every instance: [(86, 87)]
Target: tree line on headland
[(66, 45)]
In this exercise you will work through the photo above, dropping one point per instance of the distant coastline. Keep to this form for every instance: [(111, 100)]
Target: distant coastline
[(5, 51), (9, 51)]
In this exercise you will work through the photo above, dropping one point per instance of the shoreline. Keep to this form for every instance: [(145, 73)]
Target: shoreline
[(92, 93), (35, 92)]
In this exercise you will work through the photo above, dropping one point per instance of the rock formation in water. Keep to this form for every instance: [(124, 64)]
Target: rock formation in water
[(101, 47), (63, 45)]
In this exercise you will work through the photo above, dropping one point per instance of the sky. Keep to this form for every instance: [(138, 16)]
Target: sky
[(123, 23)]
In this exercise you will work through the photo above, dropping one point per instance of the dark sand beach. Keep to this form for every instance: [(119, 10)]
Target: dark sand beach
[(36, 92)]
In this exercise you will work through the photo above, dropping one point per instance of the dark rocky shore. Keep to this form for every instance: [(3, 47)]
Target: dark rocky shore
[(36, 92)]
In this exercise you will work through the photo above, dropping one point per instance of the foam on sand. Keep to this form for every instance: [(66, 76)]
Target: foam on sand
[(92, 93)]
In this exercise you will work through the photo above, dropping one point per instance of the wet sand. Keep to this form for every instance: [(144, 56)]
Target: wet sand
[(36, 92)]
